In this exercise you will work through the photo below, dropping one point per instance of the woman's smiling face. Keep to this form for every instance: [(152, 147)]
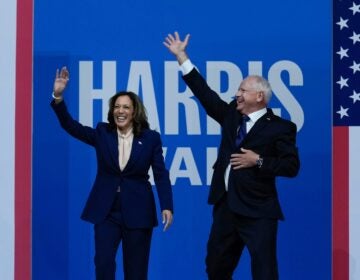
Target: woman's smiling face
[(123, 113)]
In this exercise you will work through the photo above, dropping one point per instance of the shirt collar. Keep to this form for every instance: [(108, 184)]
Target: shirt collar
[(254, 116), (127, 135)]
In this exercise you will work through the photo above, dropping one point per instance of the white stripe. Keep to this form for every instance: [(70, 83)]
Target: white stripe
[(7, 140), (354, 203)]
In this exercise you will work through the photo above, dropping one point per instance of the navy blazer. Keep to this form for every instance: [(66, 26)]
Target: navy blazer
[(251, 191), (137, 198)]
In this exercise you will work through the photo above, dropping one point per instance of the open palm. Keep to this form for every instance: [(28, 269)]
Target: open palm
[(61, 80), (174, 43)]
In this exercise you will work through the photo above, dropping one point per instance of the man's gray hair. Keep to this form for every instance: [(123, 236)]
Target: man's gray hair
[(261, 84)]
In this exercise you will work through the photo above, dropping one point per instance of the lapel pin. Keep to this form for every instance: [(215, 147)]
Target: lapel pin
[(140, 143)]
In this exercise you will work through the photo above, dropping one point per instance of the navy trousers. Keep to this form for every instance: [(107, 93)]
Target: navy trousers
[(135, 248)]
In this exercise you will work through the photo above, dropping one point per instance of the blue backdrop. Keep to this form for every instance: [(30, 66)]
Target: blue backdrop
[(114, 45)]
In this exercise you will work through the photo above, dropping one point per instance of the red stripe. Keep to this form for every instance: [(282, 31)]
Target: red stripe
[(340, 216), (23, 139)]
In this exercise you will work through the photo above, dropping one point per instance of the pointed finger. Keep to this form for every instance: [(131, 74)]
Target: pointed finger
[(168, 40), (171, 37), (177, 36), (187, 39)]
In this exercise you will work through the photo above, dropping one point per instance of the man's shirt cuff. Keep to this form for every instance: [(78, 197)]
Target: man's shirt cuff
[(186, 67)]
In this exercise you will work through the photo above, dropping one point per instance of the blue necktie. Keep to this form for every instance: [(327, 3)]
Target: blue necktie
[(242, 130)]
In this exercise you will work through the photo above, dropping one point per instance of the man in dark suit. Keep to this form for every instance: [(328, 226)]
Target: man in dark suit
[(256, 147)]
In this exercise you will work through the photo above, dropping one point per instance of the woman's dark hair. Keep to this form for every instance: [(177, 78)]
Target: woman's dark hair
[(140, 120)]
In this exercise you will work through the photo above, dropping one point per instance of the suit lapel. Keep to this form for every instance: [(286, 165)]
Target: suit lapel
[(136, 149), (112, 143), (233, 122), (260, 124)]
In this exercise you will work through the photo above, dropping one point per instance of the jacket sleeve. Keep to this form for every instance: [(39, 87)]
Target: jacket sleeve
[(74, 128), (285, 161), (214, 106), (161, 176)]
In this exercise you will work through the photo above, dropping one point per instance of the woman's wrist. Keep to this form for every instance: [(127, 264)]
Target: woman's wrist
[(56, 96)]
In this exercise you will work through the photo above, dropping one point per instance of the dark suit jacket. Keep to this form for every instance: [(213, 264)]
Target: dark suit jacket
[(137, 198), (251, 191)]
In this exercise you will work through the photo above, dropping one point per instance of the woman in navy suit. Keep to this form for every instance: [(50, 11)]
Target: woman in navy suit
[(121, 203)]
